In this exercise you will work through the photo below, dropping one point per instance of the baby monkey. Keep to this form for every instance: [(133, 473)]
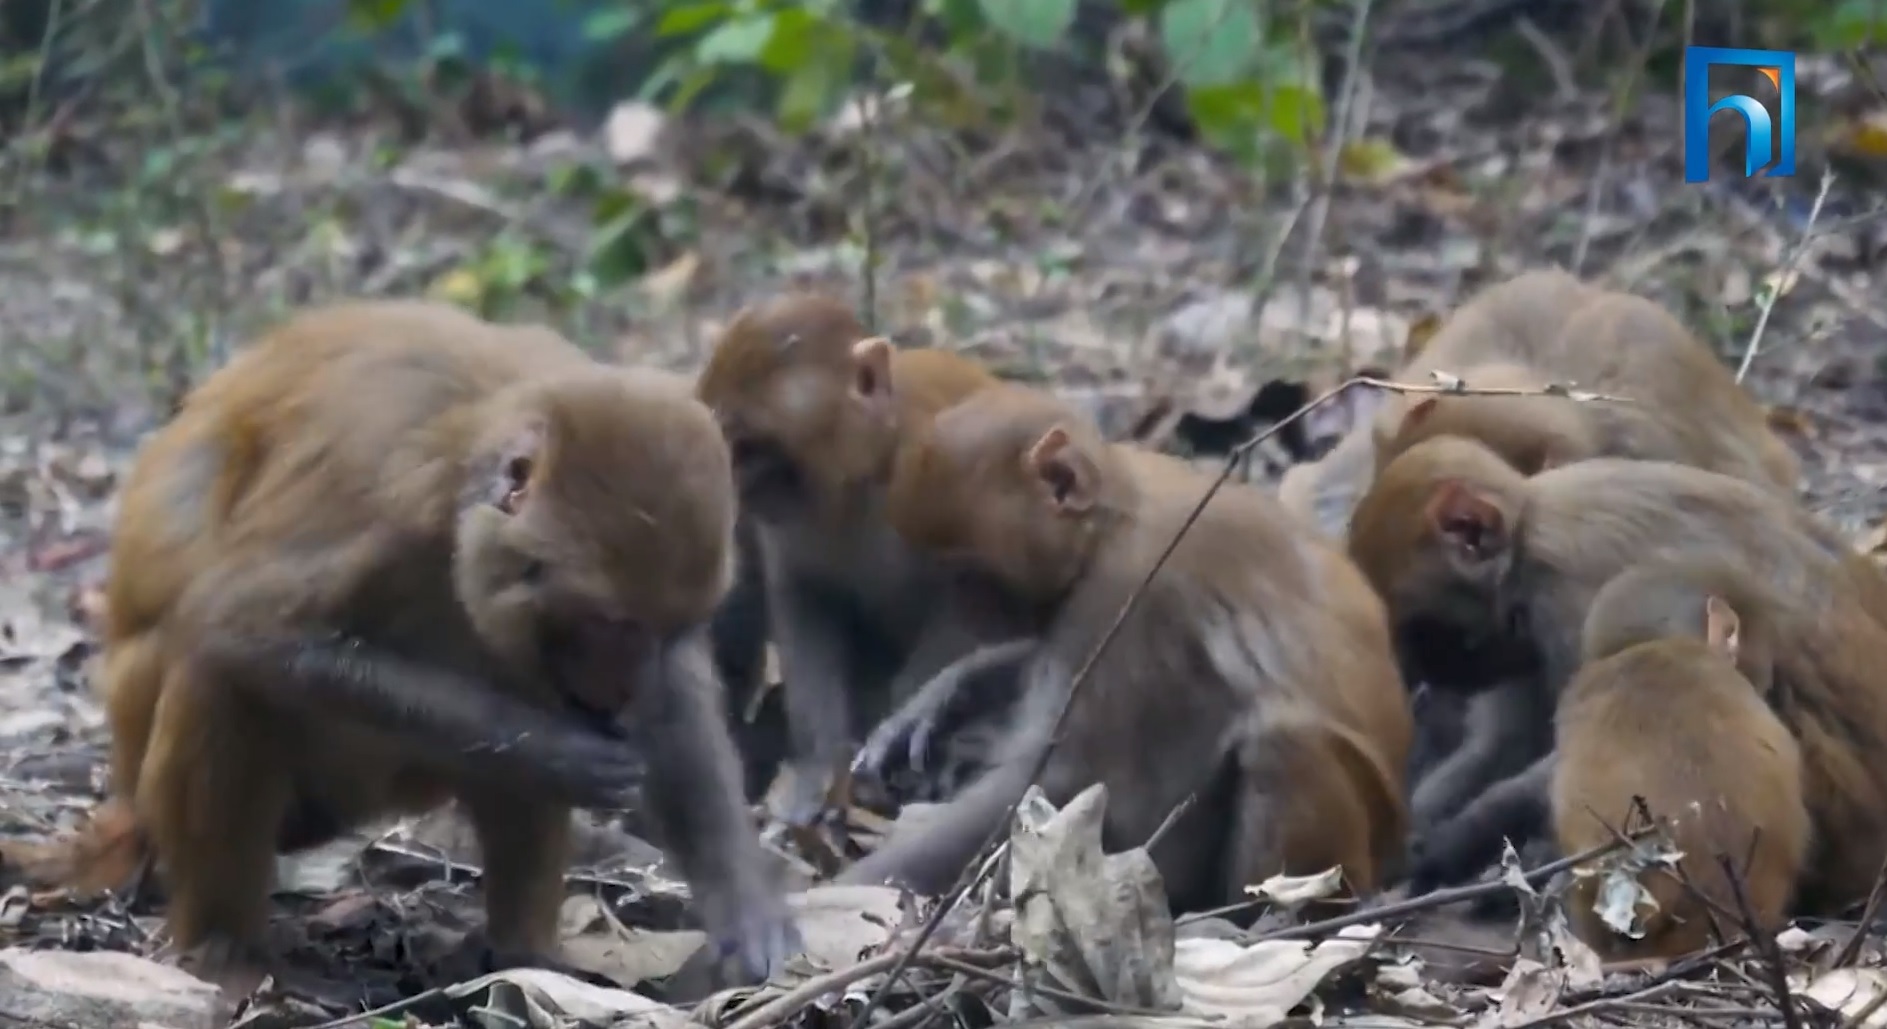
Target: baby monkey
[(1672, 706), (393, 555)]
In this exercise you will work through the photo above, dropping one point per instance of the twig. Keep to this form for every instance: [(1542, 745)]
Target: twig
[(403, 1004), (871, 107), (1765, 943), (1086, 670), (1171, 819), (54, 17), (1595, 195), (1594, 1006), (1852, 949), (1788, 275), (1442, 897), (987, 975), (1333, 154), (787, 1004)]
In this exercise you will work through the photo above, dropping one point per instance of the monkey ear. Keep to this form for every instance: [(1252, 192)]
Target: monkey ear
[(1467, 520), (514, 470), (1071, 478), (1723, 631), (871, 369)]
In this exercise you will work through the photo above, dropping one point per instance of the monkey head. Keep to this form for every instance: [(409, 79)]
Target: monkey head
[(1438, 536), (1708, 601), (805, 401), (1013, 491), (595, 523), (1531, 433)]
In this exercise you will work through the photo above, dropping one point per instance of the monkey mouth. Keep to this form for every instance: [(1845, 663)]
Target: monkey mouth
[(593, 664)]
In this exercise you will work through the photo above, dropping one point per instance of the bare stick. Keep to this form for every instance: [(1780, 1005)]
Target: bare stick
[(1764, 941), (779, 1009), (1852, 949), (1783, 282)]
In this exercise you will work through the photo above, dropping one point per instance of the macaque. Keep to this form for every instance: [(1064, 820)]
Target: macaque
[(1670, 706), (1545, 327), (1255, 676), (1685, 406), (393, 555), (1489, 576), (813, 411)]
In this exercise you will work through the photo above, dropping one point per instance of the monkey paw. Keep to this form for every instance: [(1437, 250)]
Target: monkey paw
[(1449, 853), (757, 930), (905, 736)]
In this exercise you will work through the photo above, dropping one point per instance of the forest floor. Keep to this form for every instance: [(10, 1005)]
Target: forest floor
[(1137, 274)]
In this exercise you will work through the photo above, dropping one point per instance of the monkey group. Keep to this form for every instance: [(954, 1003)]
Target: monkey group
[(393, 555)]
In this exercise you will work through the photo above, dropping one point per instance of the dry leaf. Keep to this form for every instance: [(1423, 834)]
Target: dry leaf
[(1371, 161)]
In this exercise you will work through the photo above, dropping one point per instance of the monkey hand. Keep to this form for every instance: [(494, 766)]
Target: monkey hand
[(905, 735), (1452, 852), (803, 794), (754, 926)]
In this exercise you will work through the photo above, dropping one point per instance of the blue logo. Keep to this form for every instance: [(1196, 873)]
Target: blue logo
[(1767, 143)]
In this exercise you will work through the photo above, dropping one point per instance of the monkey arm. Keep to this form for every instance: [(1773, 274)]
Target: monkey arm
[(1497, 740), (929, 856), (982, 679), (264, 623), (813, 668), (470, 727), (1516, 809), (694, 796)]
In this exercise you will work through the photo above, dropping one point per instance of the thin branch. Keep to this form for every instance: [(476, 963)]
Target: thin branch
[(1852, 949), (1334, 141), (786, 1005), (1595, 195), (1783, 282), (1774, 970)]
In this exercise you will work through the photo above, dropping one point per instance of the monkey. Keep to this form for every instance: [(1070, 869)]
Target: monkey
[(1544, 327), (1681, 404), (1489, 575), (1685, 406), (384, 517), (813, 407), (1256, 676), (926, 733), (1671, 706)]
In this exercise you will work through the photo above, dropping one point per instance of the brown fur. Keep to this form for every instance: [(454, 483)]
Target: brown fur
[(814, 413), (1256, 672), (471, 498), (1547, 326), (1461, 545), (1660, 711)]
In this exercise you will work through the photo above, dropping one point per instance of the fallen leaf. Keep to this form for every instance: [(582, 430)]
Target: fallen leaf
[(1849, 992), (633, 131)]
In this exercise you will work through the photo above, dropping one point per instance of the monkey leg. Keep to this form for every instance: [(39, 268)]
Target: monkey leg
[(526, 847), (212, 793), (1298, 812), (133, 677)]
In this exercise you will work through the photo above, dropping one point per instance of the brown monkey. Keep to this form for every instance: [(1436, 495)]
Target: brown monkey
[(1256, 675), (813, 411), (1665, 708), (1686, 406), (1547, 326), (391, 531), (1489, 576)]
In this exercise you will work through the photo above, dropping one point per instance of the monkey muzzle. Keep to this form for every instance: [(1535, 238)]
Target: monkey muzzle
[(594, 664)]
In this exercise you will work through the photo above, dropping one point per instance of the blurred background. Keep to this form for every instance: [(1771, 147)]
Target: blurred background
[(1188, 214)]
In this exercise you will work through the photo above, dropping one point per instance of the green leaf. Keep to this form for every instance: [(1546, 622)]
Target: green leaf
[(795, 41), (691, 18), (1210, 42), (375, 15), (737, 40), (611, 23), (1296, 113), (1036, 23), (809, 93)]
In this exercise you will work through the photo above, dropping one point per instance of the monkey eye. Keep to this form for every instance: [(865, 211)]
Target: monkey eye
[(532, 572)]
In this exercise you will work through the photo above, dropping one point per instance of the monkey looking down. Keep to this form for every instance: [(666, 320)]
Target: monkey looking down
[(1671, 705), (1489, 576), (813, 411), (392, 555), (1256, 676)]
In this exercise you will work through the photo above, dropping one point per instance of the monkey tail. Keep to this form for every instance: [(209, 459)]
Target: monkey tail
[(104, 854)]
